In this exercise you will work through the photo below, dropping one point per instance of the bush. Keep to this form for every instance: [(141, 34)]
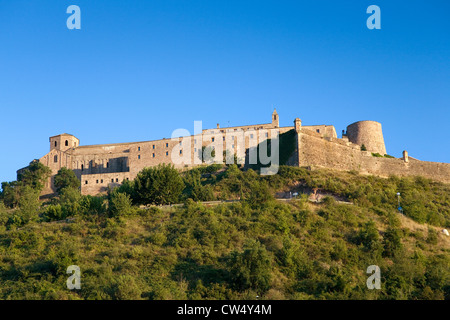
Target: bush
[(251, 269), (392, 241), (66, 178), (54, 212), (376, 154), (124, 287), (29, 204), (158, 185), (120, 205), (432, 237)]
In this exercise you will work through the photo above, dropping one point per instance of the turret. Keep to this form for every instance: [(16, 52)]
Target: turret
[(63, 142), (275, 119), (369, 134)]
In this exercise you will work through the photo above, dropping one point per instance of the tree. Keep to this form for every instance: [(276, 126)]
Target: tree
[(258, 194), (194, 188), (120, 204), (158, 185), (29, 203), (35, 175), (392, 241), (10, 194), (369, 237), (201, 192), (66, 178), (251, 269)]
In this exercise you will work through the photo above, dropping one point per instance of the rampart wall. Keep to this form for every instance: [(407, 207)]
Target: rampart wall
[(318, 152)]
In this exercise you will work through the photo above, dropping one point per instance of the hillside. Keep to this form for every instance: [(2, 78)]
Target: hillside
[(258, 245)]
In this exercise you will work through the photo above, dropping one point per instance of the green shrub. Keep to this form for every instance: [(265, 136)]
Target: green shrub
[(251, 269), (120, 205), (376, 154), (158, 185)]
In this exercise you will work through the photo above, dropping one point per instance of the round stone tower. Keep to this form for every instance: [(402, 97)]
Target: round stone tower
[(369, 134)]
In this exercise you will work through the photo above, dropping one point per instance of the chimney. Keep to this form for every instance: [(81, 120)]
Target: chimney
[(405, 156), (297, 125)]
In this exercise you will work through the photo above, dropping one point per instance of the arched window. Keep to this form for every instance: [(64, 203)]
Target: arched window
[(55, 158), (82, 167), (56, 143), (67, 143)]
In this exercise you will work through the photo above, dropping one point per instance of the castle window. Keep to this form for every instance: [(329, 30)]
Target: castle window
[(167, 153), (107, 164), (153, 155), (318, 131), (223, 138), (195, 149), (139, 148), (153, 146), (86, 182), (55, 158), (167, 145), (181, 151), (56, 143), (97, 181), (82, 167), (212, 139), (139, 156), (128, 179), (195, 141), (251, 136), (112, 180), (67, 143), (267, 135), (275, 117), (101, 181), (117, 179)]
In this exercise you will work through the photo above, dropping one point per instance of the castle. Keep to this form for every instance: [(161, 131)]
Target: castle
[(361, 148)]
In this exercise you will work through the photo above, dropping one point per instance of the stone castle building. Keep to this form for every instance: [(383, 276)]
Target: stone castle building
[(101, 166)]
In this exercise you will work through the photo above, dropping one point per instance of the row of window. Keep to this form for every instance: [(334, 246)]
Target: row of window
[(94, 165), (154, 147), (66, 143), (101, 181), (154, 155)]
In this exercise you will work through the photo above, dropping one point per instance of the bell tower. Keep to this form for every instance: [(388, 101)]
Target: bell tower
[(63, 142), (275, 119)]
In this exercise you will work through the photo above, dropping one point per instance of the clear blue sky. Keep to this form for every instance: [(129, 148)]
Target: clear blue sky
[(137, 70)]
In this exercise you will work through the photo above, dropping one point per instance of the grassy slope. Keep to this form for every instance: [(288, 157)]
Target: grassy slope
[(314, 251)]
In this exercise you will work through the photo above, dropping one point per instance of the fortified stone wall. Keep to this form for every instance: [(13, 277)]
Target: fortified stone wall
[(101, 166), (317, 152), (99, 183)]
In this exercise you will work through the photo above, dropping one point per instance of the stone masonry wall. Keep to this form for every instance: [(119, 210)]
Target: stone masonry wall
[(317, 152)]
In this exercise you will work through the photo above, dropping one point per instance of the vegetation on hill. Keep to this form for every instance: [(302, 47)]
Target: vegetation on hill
[(255, 246)]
